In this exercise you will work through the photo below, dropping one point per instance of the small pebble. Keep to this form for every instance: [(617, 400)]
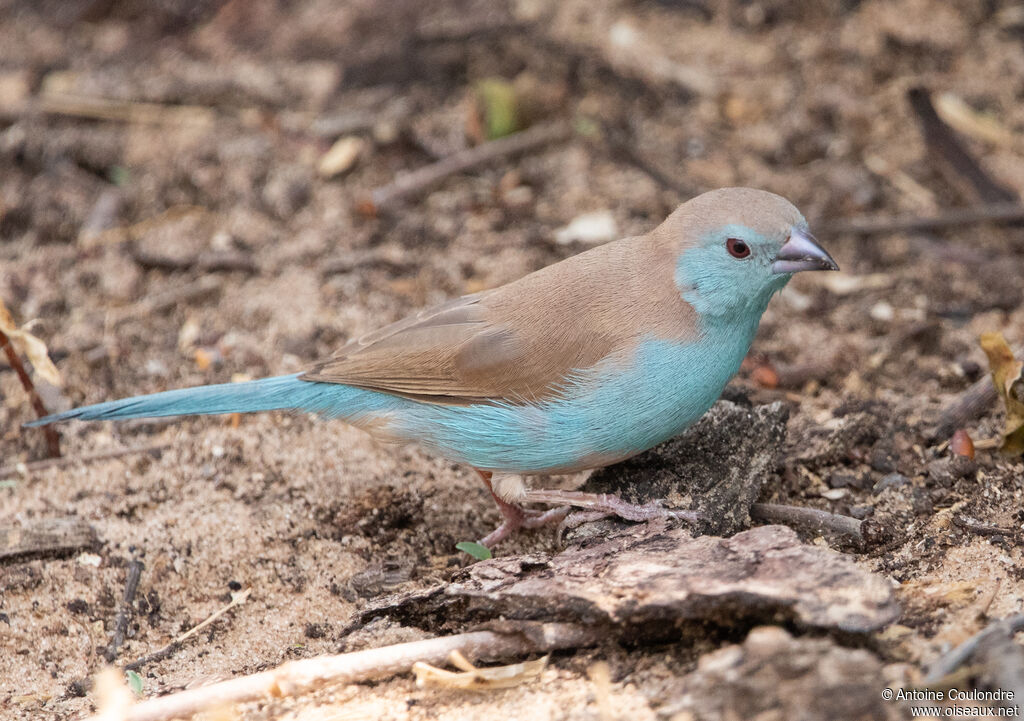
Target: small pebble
[(341, 157), (883, 312), (893, 480), (590, 228), (862, 512), (961, 444)]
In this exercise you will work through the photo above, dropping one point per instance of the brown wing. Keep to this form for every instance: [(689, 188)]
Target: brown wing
[(520, 342)]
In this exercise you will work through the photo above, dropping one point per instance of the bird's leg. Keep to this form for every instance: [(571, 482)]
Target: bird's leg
[(609, 505), (515, 516)]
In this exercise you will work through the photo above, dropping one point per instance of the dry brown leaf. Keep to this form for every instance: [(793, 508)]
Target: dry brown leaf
[(474, 678), (1009, 380), (31, 346)]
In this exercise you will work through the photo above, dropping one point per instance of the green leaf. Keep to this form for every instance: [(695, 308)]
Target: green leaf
[(500, 107), (8, 484), (134, 682), (480, 553), (586, 126), (119, 175)]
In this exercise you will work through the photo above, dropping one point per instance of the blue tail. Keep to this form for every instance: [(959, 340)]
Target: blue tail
[(266, 394)]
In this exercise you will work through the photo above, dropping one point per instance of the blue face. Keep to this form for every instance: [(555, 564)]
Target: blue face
[(728, 273)]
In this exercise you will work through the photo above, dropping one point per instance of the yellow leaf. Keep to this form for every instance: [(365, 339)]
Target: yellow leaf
[(475, 678), (31, 346), (1009, 382)]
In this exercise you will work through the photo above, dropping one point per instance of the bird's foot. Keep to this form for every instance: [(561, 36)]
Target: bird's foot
[(598, 505), (516, 518)]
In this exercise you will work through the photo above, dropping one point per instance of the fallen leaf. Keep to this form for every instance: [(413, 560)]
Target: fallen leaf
[(474, 678), (495, 111), (31, 346), (476, 550), (1009, 381), (134, 682)]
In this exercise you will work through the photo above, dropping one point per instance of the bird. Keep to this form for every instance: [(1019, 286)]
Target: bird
[(579, 365)]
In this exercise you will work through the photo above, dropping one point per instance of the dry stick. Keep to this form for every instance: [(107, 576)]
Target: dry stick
[(810, 519), (956, 163), (1001, 212), (97, 108), (21, 468), (620, 142), (210, 262), (205, 285), (983, 529), (951, 661), (966, 408), (237, 599), (420, 181), (131, 586), (297, 676), (52, 439)]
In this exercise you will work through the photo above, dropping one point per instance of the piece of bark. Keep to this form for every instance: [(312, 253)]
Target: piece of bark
[(655, 580), (716, 468), (46, 537), (773, 675)]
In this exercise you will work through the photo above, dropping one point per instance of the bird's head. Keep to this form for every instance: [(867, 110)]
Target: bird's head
[(737, 247)]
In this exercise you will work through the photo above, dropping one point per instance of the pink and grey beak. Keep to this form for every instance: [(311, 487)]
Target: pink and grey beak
[(802, 252)]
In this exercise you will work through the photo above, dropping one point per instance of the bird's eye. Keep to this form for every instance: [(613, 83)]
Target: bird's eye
[(737, 248)]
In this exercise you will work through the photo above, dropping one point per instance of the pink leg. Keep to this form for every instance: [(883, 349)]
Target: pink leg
[(515, 516)]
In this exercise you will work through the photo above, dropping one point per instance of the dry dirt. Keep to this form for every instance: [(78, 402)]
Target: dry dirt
[(102, 217)]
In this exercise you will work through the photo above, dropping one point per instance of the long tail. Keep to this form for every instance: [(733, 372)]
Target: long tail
[(266, 394)]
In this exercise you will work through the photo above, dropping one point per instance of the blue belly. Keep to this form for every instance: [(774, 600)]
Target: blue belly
[(616, 410)]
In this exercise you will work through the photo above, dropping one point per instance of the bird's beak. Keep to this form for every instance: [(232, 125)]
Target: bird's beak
[(802, 252)]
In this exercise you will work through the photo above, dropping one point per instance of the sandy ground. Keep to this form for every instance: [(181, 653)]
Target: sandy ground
[(99, 217)]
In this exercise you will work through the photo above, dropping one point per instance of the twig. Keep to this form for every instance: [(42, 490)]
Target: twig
[(621, 144), (983, 529), (131, 586), (237, 599), (951, 661), (1001, 212), (24, 468), (205, 285), (809, 519), (970, 405), (52, 439), (84, 106), (210, 262), (960, 168), (797, 375), (297, 676), (419, 181)]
